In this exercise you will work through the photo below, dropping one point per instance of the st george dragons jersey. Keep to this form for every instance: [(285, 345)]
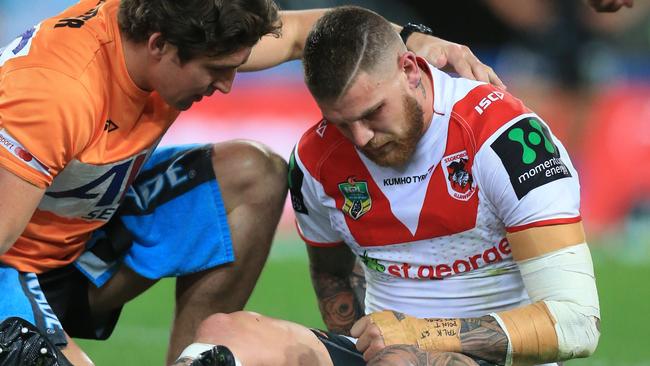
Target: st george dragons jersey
[(432, 234), (72, 121)]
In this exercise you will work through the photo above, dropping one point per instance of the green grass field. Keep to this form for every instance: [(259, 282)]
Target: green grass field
[(284, 291)]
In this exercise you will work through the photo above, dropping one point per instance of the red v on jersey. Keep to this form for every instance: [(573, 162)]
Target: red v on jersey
[(348, 181)]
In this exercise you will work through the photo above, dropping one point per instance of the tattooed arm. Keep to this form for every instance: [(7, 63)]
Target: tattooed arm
[(484, 339), (480, 338), (340, 286), (406, 355)]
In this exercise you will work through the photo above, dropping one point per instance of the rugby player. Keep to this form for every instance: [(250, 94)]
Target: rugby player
[(459, 202), (92, 213)]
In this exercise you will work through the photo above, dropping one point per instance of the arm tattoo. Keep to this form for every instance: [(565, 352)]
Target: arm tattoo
[(483, 338), (340, 286), (358, 285), (407, 355), (336, 302)]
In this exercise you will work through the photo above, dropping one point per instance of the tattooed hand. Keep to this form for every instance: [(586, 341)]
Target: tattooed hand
[(406, 355), (481, 338)]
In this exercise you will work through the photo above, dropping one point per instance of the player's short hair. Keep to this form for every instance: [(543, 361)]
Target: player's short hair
[(345, 41), (200, 27)]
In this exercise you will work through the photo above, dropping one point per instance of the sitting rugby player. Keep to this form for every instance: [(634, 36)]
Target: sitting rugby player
[(459, 202)]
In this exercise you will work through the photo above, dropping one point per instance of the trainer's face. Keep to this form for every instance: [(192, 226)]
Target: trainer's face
[(380, 116), (182, 84)]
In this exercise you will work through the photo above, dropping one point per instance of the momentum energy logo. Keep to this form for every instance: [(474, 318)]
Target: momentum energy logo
[(529, 156)]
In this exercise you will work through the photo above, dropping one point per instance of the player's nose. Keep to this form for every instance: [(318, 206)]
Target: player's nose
[(360, 134)]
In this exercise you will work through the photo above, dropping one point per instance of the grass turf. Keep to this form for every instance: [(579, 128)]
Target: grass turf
[(284, 291)]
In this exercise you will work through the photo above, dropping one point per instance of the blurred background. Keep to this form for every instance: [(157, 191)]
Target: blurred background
[(587, 74)]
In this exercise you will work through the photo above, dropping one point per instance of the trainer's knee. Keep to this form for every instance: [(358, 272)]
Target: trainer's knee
[(251, 171)]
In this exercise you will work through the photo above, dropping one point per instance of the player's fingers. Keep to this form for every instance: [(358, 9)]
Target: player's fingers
[(372, 350), (371, 335), (363, 342), (495, 80), (485, 73), (456, 58), (359, 326)]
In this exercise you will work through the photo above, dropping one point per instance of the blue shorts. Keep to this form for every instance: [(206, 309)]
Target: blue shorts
[(171, 223)]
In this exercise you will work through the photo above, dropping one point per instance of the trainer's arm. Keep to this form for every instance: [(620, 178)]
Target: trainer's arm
[(271, 51), (18, 200), (340, 286), (562, 322)]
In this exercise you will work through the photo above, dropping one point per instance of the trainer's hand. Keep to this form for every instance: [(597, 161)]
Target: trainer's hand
[(369, 338), (610, 6), (449, 56)]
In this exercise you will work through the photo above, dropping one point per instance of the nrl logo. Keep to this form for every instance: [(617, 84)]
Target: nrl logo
[(460, 183), (357, 199)]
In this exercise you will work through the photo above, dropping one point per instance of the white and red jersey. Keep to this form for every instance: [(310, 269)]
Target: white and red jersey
[(432, 233)]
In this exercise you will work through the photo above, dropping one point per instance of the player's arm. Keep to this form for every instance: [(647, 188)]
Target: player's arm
[(562, 322), (271, 51), (18, 200), (340, 286)]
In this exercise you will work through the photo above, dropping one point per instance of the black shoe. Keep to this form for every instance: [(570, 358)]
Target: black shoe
[(22, 344), (217, 356)]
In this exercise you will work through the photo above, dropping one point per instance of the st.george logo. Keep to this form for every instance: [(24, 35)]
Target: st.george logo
[(529, 156), (460, 182), (357, 200)]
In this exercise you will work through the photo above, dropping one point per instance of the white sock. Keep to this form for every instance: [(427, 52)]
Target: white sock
[(195, 349)]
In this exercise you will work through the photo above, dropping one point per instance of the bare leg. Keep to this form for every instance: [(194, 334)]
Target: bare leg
[(253, 183), (407, 355), (75, 355), (257, 340)]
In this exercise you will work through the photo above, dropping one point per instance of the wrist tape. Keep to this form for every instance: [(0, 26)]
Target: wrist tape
[(531, 332)]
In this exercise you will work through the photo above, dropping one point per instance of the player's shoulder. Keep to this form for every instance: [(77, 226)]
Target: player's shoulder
[(484, 110), (317, 144)]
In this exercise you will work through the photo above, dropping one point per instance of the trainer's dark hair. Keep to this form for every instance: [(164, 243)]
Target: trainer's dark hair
[(344, 41), (200, 27)]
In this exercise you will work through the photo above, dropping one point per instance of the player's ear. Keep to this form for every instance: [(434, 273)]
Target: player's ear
[(409, 65)]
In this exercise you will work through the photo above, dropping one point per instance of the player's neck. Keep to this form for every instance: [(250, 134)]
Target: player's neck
[(135, 57)]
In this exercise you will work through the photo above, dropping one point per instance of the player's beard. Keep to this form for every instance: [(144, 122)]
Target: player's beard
[(401, 148)]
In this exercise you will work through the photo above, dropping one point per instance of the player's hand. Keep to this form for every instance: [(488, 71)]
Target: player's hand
[(369, 338), (610, 6), (449, 56)]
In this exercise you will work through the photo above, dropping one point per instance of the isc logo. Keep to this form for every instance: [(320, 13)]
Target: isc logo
[(485, 102)]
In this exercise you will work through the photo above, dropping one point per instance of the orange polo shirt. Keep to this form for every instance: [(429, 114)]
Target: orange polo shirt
[(73, 122)]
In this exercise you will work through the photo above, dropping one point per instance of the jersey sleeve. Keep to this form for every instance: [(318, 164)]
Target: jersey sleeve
[(527, 175), (312, 218), (46, 119)]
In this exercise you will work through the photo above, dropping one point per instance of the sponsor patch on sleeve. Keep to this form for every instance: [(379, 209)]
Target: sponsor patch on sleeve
[(14, 147), (529, 156), (296, 177)]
